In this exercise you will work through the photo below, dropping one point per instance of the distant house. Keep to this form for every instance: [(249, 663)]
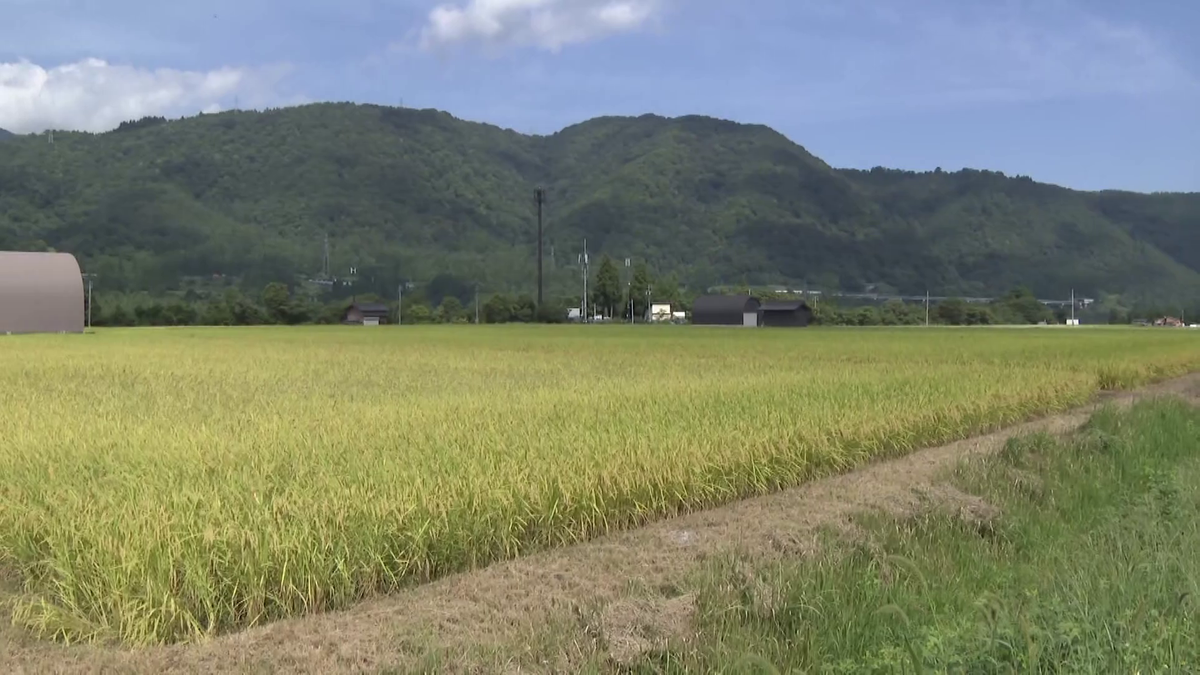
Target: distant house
[(1169, 321), (725, 310), (660, 312), (366, 314), (787, 313)]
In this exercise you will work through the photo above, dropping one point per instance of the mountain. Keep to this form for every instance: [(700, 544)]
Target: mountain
[(409, 194), (5, 134)]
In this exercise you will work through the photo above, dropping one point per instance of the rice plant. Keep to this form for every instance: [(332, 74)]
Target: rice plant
[(165, 485)]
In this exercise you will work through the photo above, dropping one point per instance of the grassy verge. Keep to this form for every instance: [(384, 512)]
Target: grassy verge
[(1091, 566)]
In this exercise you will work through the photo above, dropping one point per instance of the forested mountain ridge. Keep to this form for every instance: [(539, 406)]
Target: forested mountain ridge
[(407, 194), (5, 134), (1015, 231)]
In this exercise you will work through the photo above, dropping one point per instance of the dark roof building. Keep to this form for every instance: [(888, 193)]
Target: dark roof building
[(787, 313), (366, 314), (40, 293), (725, 310)]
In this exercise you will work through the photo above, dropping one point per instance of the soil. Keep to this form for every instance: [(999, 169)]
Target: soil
[(613, 594)]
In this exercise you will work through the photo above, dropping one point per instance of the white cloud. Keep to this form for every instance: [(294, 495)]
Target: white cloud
[(547, 24), (94, 95)]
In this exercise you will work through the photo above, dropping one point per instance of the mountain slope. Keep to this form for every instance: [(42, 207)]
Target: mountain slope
[(409, 194), (1009, 231), (5, 134)]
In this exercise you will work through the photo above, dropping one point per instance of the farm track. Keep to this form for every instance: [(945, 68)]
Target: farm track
[(605, 591)]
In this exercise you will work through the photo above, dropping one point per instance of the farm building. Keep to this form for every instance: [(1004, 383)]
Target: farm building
[(40, 293), (366, 314), (725, 310), (786, 313)]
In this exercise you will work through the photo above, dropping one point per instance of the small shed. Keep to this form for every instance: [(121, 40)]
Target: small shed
[(787, 313), (366, 314), (40, 293), (725, 310)]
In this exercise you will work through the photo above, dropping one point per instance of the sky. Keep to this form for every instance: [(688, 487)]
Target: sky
[(1091, 94)]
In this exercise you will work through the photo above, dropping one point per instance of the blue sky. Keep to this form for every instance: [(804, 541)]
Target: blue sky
[(1095, 94)]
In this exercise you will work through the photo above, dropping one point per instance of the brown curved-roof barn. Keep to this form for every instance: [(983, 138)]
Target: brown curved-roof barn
[(40, 293)]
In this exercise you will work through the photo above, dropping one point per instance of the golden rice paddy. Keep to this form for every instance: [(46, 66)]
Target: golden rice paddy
[(165, 485)]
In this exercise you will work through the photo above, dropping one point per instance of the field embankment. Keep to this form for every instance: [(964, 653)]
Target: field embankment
[(1077, 556), (163, 485)]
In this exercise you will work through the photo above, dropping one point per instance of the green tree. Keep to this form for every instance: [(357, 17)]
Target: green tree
[(952, 311), (979, 315), (244, 311), (639, 290), (178, 313), (1021, 306), (898, 313), (450, 311), (867, 316), (275, 300), (552, 311), (118, 316), (302, 310), (216, 313), (418, 313), (606, 288), (525, 309), (668, 291), (498, 309)]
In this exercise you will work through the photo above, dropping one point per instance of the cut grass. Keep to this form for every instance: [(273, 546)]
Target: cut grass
[(164, 485), (1090, 568)]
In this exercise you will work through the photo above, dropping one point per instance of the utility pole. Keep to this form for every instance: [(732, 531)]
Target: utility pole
[(325, 262), (927, 308), (539, 196), (477, 304), (89, 278), (583, 304), (629, 288), (1072, 306), (400, 304)]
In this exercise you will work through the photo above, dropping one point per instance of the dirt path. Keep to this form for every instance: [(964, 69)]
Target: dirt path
[(507, 603)]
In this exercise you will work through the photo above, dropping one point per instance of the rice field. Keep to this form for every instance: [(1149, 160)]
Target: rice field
[(166, 485)]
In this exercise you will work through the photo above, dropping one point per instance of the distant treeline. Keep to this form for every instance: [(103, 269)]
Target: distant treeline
[(276, 305), (279, 305), (1017, 307)]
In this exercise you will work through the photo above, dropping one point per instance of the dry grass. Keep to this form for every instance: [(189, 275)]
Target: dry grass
[(161, 485)]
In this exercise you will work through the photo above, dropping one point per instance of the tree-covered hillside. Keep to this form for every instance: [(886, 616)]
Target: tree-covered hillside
[(5, 134), (406, 195)]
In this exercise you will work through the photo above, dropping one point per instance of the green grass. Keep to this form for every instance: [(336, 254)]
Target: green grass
[(165, 485), (1091, 568)]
